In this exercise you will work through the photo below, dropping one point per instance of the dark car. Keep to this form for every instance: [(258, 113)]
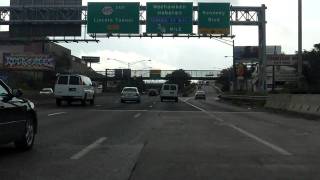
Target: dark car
[(18, 118), (153, 92)]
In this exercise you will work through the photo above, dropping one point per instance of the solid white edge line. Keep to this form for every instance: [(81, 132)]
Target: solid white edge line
[(252, 136), (88, 148), (266, 143), (137, 115), (58, 113)]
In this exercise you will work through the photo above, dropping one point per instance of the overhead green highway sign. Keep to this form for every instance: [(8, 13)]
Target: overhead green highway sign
[(214, 18), (169, 18), (120, 18), (155, 74)]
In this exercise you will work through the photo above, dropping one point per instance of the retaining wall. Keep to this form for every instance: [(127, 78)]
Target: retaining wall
[(301, 103)]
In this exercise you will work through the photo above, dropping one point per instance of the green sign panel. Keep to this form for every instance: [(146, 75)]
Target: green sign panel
[(214, 18), (122, 18), (155, 74), (169, 18)]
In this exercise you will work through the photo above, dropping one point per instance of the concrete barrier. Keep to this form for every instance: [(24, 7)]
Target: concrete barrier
[(278, 101), (301, 103)]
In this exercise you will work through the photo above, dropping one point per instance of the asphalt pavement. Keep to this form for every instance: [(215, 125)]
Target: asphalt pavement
[(153, 140)]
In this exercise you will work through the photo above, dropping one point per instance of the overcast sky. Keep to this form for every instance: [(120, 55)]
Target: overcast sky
[(207, 53)]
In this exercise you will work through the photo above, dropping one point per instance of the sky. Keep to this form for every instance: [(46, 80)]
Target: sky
[(205, 54)]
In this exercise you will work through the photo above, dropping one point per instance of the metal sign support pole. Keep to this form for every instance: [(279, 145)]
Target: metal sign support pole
[(300, 42), (263, 48)]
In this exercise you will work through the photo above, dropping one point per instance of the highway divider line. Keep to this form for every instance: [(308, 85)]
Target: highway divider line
[(58, 113), (250, 135), (137, 115), (89, 148)]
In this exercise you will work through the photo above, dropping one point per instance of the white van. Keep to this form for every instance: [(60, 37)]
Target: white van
[(169, 91), (74, 88)]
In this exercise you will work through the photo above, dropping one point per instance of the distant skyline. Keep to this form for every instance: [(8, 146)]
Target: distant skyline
[(206, 53)]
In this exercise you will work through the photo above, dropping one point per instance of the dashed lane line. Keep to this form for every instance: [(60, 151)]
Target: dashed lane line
[(137, 115), (57, 113), (89, 148)]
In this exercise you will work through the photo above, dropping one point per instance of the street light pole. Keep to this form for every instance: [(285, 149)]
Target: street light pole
[(300, 41), (234, 68)]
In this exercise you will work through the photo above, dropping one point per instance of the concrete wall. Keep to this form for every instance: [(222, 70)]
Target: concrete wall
[(301, 103)]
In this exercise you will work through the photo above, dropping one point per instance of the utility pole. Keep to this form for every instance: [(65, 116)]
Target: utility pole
[(300, 42), (235, 84)]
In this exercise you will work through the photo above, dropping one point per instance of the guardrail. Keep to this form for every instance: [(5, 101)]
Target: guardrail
[(243, 97)]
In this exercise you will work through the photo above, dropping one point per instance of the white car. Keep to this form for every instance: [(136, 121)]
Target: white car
[(169, 91), (71, 88), (200, 95), (46, 91), (130, 94)]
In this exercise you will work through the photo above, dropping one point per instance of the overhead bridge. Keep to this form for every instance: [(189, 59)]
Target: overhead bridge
[(124, 74)]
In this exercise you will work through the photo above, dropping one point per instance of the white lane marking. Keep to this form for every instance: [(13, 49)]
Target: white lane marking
[(137, 115), (266, 143), (185, 99), (115, 110), (150, 106), (252, 136), (195, 106), (89, 148), (58, 113)]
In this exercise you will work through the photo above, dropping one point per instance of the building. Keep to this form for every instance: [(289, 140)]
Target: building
[(34, 65)]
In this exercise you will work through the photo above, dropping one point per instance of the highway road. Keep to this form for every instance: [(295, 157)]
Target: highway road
[(153, 140)]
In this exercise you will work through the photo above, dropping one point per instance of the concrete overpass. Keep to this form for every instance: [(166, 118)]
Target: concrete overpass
[(147, 74)]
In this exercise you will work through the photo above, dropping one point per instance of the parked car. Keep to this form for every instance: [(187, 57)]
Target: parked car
[(71, 88), (130, 94), (18, 118), (46, 91), (153, 92), (200, 95), (169, 91)]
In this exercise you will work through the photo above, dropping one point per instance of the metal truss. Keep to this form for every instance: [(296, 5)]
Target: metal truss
[(63, 15), (239, 16)]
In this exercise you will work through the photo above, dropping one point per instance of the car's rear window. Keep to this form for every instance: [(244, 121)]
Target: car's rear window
[(173, 88), (130, 90), (166, 87), (63, 80), (74, 80)]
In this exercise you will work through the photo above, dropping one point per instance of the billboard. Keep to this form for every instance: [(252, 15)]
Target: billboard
[(28, 62), (120, 18), (91, 59), (36, 30), (282, 60), (122, 74), (214, 18), (247, 54), (283, 73), (169, 18)]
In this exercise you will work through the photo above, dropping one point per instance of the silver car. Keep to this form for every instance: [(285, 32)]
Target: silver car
[(200, 95), (130, 94)]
